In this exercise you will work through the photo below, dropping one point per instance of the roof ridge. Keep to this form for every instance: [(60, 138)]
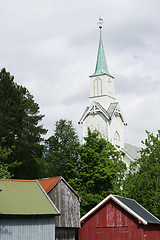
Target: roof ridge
[(18, 180)]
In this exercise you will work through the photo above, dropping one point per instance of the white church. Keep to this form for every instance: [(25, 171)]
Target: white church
[(103, 114)]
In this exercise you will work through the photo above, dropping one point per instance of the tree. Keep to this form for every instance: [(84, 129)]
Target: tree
[(143, 180), (61, 148), (19, 119), (4, 153), (98, 171)]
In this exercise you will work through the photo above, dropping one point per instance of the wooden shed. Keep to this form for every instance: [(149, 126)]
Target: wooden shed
[(26, 212), (118, 218), (68, 202)]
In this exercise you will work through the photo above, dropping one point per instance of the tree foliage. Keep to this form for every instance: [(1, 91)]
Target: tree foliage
[(143, 181), (98, 172), (19, 119), (4, 153), (61, 149)]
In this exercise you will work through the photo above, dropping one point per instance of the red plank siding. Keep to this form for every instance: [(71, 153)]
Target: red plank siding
[(112, 222)]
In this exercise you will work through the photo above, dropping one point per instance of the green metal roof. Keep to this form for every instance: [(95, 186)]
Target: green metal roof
[(22, 197), (101, 65)]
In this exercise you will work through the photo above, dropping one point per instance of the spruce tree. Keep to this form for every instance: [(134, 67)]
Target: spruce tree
[(19, 125)]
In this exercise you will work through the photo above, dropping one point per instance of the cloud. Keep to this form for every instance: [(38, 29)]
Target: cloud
[(51, 49)]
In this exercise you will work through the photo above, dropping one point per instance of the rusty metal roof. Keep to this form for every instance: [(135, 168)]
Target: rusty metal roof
[(49, 183), (24, 197)]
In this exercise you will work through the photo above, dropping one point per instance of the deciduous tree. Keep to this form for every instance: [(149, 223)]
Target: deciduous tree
[(4, 153), (98, 171), (143, 181), (61, 148)]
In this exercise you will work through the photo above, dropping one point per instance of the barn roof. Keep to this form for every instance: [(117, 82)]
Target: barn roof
[(24, 197), (49, 183), (130, 206)]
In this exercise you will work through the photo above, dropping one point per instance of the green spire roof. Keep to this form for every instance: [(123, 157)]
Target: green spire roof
[(101, 66)]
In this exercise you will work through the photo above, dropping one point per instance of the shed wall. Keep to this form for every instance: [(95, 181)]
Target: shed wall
[(68, 204), (65, 233), (27, 228)]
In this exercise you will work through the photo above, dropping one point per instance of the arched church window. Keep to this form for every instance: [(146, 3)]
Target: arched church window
[(97, 87), (116, 138), (99, 134)]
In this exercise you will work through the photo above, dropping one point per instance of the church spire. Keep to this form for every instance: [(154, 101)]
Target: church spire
[(101, 65)]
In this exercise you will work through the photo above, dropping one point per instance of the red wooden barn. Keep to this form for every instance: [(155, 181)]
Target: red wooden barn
[(119, 218)]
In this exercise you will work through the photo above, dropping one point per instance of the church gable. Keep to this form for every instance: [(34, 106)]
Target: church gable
[(108, 123), (94, 109)]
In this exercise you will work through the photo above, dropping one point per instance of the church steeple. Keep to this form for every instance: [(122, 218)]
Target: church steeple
[(103, 113), (101, 65)]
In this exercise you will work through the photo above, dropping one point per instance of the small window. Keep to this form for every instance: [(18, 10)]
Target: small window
[(116, 138)]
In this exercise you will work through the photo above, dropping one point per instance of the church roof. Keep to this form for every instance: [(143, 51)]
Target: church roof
[(112, 108), (96, 107), (101, 65), (132, 150)]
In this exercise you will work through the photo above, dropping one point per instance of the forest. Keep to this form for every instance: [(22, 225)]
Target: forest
[(94, 169)]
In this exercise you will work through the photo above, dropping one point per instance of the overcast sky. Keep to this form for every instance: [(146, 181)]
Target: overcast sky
[(51, 49)]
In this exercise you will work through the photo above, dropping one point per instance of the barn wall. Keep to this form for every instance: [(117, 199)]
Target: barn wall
[(65, 234), (68, 204), (27, 228), (111, 222), (152, 232)]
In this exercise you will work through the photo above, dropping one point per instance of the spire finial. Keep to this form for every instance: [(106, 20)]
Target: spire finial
[(101, 65), (100, 23)]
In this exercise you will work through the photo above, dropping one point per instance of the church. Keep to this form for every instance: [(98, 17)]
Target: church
[(103, 113)]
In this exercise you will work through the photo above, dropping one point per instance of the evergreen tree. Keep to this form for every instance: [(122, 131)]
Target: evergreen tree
[(143, 181), (19, 119), (61, 151), (98, 172)]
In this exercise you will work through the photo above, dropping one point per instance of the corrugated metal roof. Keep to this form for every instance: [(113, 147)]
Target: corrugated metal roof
[(24, 197), (49, 183)]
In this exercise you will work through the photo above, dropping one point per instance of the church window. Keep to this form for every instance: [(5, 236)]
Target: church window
[(116, 138), (99, 133), (97, 87)]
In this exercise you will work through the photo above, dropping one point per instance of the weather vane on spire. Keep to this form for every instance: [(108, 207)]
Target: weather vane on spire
[(100, 22)]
